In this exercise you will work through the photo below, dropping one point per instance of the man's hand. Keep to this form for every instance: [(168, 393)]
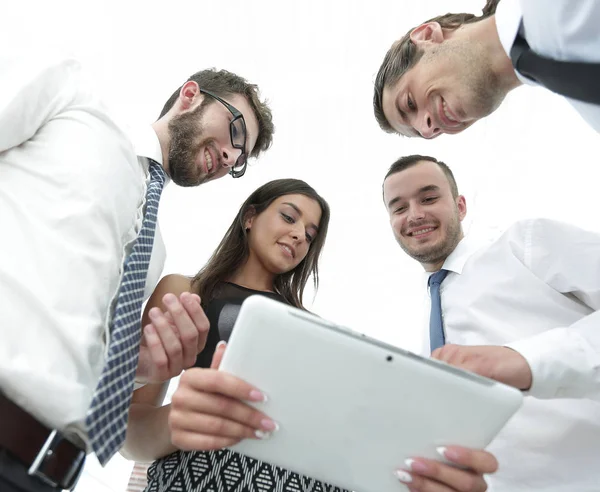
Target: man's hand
[(208, 410), (172, 339), (425, 475), (500, 363)]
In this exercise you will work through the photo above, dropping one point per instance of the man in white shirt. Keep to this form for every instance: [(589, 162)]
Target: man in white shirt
[(72, 196), (455, 69), (522, 310)]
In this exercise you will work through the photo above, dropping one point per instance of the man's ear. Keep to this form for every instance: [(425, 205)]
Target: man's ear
[(461, 204), (189, 95), (430, 32)]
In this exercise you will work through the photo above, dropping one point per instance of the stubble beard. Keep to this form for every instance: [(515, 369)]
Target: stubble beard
[(436, 253), (186, 131), (476, 77)]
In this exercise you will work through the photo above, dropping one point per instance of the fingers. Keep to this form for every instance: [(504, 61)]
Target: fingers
[(193, 306), (200, 442), (156, 355), (198, 405), (207, 411), (448, 353), (191, 324), (433, 476), (218, 355), (160, 331), (478, 460), (211, 381)]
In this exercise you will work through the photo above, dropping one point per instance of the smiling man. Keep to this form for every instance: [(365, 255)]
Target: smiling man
[(81, 249), (523, 310), (455, 69)]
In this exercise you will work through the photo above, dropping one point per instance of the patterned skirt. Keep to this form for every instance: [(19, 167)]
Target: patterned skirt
[(225, 471)]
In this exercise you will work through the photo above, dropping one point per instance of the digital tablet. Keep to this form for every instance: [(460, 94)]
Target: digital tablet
[(351, 408)]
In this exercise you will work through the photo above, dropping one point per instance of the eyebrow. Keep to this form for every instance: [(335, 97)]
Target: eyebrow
[(300, 214), (424, 189)]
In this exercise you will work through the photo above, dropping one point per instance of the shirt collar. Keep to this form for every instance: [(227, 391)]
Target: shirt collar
[(508, 18), (146, 144), (456, 260)]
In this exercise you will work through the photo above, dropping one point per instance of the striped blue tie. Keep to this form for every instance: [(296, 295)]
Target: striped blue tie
[(436, 324), (106, 418)]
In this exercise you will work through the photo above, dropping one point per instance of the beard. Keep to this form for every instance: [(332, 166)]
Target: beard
[(185, 131), (438, 252), (481, 89)]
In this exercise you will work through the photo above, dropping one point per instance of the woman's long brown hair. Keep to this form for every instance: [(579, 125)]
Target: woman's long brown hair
[(232, 253)]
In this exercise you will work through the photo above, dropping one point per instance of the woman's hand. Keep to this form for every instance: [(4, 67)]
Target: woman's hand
[(209, 409)]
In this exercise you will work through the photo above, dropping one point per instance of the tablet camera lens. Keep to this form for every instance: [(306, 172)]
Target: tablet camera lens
[(389, 358)]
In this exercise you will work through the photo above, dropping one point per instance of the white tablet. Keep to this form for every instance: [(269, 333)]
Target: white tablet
[(350, 408)]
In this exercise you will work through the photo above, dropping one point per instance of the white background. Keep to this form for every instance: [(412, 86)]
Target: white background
[(316, 62)]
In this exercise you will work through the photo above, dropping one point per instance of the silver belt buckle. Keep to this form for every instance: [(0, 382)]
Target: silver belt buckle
[(46, 452)]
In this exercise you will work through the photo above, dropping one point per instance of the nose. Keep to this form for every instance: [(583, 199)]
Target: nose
[(415, 213), (425, 125), (228, 156), (297, 233)]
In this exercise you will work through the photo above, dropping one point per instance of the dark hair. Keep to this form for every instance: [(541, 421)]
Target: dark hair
[(404, 54), (412, 160), (233, 251), (223, 84)]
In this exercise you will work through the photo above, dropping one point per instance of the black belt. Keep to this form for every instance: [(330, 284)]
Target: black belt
[(46, 453)]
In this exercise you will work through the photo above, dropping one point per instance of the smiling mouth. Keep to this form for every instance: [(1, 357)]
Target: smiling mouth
[(287, 249), (420, 232), (209, 161)]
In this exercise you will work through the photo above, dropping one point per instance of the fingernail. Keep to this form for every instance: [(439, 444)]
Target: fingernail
[(154, 313), (222, 343), (169, 299), (403, 476), (415, 466), (449, 454), (269, 425), (262, 434), (256, 395), (149, 330)]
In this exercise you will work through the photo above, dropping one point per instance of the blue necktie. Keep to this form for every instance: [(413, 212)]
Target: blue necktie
[(436, 325), (106, 418)]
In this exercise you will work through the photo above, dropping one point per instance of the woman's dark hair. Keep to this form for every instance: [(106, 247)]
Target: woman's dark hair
[(233, 251)]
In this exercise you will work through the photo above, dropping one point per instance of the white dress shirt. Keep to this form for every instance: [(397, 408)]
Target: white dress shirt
[(536, 289), (72, 195), (559, 29)]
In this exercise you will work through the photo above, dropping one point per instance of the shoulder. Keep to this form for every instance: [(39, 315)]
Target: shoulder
[(174, 284), (170, 284)]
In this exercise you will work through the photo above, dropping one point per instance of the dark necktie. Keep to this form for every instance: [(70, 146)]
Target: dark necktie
[(106, 419), (436, 324), (576, 80)]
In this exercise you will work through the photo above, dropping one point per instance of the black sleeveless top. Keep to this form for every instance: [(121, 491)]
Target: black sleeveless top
[(222, 311)]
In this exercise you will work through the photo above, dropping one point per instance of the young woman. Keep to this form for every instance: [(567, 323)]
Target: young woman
[(271, 249)]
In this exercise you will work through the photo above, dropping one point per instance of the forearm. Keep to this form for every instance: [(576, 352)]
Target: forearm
[(148, 436), (565, 362)]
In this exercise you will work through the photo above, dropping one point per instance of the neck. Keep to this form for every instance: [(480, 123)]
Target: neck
[(433, 267), (253, 275), (485, 33), (161, 128)]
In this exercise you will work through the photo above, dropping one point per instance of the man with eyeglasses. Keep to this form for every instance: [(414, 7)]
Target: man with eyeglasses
[(81, 250)]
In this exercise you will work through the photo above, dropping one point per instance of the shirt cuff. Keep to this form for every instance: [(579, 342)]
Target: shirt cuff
[(560, 364)]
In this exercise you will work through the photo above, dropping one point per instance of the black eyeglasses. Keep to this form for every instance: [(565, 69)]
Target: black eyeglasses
[(237, 132)]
